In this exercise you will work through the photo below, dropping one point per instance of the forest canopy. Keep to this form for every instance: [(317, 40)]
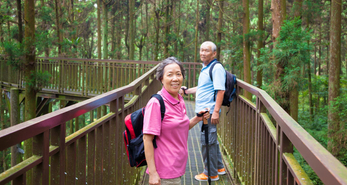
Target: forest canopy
[(296, 50)]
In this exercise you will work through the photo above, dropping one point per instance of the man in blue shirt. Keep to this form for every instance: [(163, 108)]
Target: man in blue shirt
[(205, 92)]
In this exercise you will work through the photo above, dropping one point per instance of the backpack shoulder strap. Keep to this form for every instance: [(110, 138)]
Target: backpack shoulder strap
[(162, 111), (162, 105), (211, 69), (210, 72)]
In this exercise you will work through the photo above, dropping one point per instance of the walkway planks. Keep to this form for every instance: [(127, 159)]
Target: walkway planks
[(195, 163)]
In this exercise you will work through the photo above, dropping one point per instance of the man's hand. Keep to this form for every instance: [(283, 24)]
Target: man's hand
[(181, 90), (215, 117)]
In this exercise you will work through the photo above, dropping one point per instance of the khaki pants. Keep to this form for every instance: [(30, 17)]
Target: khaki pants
[(175, 181)]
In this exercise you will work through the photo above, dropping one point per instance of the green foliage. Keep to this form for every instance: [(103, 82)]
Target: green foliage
[(318, 127), (38, 79), (340, 103), (13, 52), (291, 51), (42, 41)]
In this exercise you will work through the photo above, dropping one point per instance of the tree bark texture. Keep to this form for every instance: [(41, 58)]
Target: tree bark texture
[(246, 48), (58, 26), (15, 115), (208, 22), (131, 29), (196, 32), (119, 30), (30, 65), (219, 29), (167, 29), (113, 25), (105, 30), (157, 15), (334, 137), (260, 44), (99, 28), (277, 19), (294, 93), (20, 24)]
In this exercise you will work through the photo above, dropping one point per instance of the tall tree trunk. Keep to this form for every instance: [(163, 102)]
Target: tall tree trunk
[(246, 48), (208, 7), (15, 119), (131, 29), (99, 28), (278, 15), (260, 41), (167, 29), (196, 32), (9, 30), (309, 78), (219, 28), (319, 61), (105, 31), (1, 34), (147, 25), (30, 65), (59, 34), (157, 15), (294, 93), (334, 134), (45, 30), (113, 25), (73, 29), (20, 24), (178, 15), (119, 29)]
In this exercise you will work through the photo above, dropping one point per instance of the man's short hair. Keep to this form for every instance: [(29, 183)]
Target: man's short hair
[(209, 43)]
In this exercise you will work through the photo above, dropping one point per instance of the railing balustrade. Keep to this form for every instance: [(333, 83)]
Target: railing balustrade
[(258, 135), (94, 154), (88, 77), (261, 150)]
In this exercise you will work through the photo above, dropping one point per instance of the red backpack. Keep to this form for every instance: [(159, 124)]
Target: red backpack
[(132, 135)]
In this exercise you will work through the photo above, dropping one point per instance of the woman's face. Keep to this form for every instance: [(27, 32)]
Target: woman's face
[(172, 79)]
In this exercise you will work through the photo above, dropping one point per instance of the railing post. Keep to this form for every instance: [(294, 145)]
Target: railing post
[(235, 135), (115, 131), (260, 108), (58, 159), (285, 147), (121, 163), (41, 148), (84, 76)]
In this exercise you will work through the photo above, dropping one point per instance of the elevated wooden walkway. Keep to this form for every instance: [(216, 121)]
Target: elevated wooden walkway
[(195, 162), (257, 136)]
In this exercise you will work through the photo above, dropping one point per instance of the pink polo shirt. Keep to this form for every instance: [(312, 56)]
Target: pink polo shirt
[(172, 134)]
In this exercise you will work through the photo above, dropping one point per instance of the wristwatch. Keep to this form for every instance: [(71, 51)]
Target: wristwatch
[(184, 90)]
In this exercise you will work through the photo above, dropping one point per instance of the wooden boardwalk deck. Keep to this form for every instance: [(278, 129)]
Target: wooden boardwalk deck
[(195, 163)]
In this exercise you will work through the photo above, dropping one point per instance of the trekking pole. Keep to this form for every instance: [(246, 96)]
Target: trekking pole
[(205, 126)]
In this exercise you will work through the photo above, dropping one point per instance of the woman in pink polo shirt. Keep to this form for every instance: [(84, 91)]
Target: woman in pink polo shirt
[(167, 163)]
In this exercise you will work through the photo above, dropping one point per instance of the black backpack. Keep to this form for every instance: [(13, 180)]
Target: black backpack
[(230, 89), (133, 134)]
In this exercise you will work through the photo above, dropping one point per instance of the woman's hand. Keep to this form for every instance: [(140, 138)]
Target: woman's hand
[(154, 179), (206, 113), (200, 115)]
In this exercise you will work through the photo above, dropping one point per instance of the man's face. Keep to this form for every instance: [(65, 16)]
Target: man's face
[(206, 54)]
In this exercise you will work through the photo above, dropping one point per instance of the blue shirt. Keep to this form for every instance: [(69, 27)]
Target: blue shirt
[(206, 88)]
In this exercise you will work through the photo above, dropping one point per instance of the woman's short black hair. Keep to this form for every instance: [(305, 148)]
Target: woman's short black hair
[(164, 63)]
